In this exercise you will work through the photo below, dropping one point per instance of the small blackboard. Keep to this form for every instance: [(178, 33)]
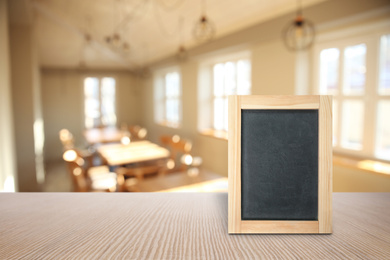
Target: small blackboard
[(280, 164), (279, 154)]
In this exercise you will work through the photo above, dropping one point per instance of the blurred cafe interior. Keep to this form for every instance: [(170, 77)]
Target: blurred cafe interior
[(131, 95)]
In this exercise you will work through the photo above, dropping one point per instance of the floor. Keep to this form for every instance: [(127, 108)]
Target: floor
[(57, 178)]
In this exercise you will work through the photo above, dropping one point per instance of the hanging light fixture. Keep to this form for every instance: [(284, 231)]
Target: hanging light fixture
[(87, 38), (114, 40), (300, 33), (182, 53), (204, 29), (126, 47)]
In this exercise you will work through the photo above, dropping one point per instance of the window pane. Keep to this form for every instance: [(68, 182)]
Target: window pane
[(91, 87), (91, 102), (172, 110), (329, 71), (218, 113), (354, 70), (230, 78), (172, 82), (108, 101), (218, 79), (243, 77), (384, 67), (382, 149), (335, 118), (352, 124)]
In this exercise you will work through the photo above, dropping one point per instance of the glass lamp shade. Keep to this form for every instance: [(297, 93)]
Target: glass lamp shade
[(87, 38), (204, 30), (126, 47), (299, 34), (116, 40)]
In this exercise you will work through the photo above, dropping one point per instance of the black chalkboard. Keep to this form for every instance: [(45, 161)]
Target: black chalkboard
[(279, 164)]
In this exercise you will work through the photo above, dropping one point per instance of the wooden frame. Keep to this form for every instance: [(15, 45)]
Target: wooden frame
[(324, 106)]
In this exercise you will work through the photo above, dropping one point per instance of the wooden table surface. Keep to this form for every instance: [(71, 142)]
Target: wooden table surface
[(177, 226), (205, 181), (103, 135), (139, 151)]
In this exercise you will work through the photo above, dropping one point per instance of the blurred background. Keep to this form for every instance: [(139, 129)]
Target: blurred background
[(131, 95)]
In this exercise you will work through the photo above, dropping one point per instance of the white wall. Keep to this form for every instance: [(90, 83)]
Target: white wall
[(39, 135), (269, 60), (63, 104), (7, 146), (22, 78), (273, 71)]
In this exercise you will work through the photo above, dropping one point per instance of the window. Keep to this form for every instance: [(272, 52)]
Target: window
[(357, 73), (99, 102), (168, 98), (218, 80), (230, 78)]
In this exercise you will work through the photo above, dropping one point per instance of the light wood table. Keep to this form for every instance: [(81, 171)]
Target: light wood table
[(103, 135), (177, 226), (135, 152)]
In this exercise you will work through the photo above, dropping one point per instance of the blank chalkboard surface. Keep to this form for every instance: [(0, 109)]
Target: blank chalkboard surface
[(279, 164)]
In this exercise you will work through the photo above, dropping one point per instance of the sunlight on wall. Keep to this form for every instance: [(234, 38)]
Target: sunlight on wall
[(302, 73), (7, 146), (39, 140), (9, 184)]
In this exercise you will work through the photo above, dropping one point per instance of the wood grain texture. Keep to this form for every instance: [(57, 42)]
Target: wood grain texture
[(234, 161), (283, 227), (177, 226), (325, 166), (279, 102)]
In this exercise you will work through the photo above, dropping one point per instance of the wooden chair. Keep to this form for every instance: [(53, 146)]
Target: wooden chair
[(68, 143), (137, 132), (178, 148), (87, 178), (66, 139), (143, 170), (130, 176)]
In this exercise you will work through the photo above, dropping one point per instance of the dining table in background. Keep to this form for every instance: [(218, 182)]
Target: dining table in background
[(134, 152), (103, 135)]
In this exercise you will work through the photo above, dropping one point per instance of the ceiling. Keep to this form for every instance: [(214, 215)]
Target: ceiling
[(154, 29)]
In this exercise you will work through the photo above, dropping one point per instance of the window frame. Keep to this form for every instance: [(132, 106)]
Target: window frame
[(99, 77), (370, 35), (206, 91), (159, 86)]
